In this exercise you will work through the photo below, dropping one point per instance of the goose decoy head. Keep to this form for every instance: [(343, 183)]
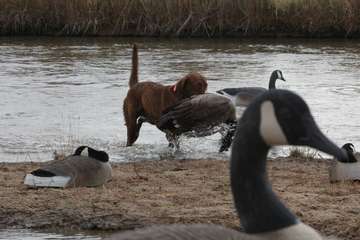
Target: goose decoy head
[(90, 152), (350, 150), (277, 74), (285, 119), (349, 147)]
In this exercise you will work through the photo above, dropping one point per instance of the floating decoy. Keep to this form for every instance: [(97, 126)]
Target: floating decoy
[(87, 167), (349, 170), (200, 115), (278, 117), (243, 96)]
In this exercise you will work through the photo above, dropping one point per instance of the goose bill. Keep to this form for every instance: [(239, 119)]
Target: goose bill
[(316, 139)]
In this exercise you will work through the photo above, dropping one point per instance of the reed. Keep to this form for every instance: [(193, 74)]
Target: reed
[(181, 18)]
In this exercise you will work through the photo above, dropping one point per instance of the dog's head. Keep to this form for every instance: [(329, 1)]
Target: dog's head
[(192, 84)]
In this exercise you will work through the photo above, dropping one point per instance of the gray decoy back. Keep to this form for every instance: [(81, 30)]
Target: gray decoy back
[(245, 95), (87, 167)]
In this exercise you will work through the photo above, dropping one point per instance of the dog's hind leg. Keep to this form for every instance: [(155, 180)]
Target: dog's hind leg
[(228, 137), (132, 125)]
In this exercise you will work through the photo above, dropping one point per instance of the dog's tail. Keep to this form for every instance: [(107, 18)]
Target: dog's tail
[(134, 67)]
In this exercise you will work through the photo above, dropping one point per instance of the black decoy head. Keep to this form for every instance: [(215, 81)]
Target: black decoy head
[(90, 152)]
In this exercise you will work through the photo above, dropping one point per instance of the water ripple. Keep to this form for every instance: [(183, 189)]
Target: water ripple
[(59, 93)]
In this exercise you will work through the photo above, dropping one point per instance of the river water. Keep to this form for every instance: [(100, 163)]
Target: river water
[(25, 234), (58, 93)]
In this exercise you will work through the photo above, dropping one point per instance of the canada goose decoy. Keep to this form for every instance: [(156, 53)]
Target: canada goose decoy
[(87, 167), (200, 115), (344, 171), (277, 117), (243, 96), (351, 152)]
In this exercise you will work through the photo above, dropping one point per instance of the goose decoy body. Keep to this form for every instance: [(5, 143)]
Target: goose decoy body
[(243, 96), (87, 167), (201, 115), (346, 171), (277, 117)]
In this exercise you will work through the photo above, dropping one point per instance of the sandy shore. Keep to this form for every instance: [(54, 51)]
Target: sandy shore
[(188, 191)]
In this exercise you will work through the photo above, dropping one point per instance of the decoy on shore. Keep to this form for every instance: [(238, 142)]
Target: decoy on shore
[(278, 117), (352, 154), (244, 95), (200, 115), (346, 171), (87, 167)]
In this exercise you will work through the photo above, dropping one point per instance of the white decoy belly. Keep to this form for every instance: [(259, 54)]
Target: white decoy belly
[(339, 171)]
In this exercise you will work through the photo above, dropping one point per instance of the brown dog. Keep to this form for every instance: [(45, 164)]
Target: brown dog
[(149, 99)]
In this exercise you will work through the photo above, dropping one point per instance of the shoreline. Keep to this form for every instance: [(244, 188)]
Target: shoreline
[(176, 191)]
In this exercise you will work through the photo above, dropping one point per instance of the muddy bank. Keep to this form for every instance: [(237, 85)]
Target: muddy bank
[(189, 191)]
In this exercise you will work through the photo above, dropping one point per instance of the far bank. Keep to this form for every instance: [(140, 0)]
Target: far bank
[(182, 18)]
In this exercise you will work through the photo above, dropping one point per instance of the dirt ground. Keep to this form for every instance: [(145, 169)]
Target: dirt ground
[(184, 191)]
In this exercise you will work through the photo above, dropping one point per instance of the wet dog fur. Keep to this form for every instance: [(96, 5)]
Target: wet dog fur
[(147, 100)]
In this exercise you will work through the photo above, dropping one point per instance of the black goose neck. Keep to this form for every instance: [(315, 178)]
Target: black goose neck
[(259, 209), (272, 81), (99, 155)]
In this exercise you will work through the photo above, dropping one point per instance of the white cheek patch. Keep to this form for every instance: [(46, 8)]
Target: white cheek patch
[(279, 75), (353, 149), (85, 152), (270, 129)]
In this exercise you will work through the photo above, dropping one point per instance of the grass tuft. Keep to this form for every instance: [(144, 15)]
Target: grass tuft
[(303, 152)]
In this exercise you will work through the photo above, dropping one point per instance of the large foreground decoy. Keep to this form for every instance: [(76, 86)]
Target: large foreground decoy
[(278, 117), (87, 167), (200, 115), (243, 96), (346, 171)]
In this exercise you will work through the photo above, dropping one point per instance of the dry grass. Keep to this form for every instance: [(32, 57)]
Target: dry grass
[(209, 18), (303, 152), (190, 191)]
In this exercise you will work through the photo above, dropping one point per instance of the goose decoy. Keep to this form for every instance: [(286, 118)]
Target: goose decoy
[(351, 152), (87, 167), (277, 117), (200, 115), (346, 171), (243, 96)]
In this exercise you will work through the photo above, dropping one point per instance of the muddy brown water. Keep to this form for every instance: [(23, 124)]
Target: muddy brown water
[(57, 93)]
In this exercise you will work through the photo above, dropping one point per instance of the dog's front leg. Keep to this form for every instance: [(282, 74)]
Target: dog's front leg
[(132, 125)]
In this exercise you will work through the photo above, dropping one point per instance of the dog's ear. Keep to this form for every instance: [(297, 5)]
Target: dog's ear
[(192, 84), (180, 88)]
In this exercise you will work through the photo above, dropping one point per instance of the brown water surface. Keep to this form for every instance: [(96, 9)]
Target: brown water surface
[(57, 93)]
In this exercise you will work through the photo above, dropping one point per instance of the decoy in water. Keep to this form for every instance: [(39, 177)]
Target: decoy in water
[(243, 96), (87, 167), (200, 115), (278, 117), (349, 170)]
